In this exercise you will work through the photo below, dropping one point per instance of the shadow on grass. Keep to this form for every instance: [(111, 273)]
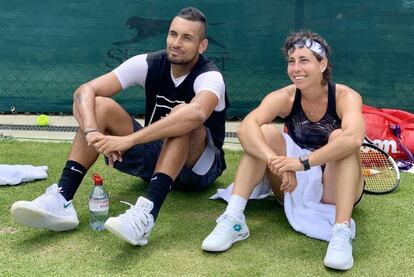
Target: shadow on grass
[(126, 257), (35, 239)]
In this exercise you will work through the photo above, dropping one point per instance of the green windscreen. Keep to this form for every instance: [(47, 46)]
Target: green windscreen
[(49, 48)]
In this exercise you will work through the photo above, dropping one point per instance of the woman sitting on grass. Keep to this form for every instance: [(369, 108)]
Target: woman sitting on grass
[(324, 122)]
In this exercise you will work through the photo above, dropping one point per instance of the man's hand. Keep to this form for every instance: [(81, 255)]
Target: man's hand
[(111, 144), (113, 157), (93, 137)]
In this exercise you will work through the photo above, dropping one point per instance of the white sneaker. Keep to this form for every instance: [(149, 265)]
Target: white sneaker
[(339, 253), (228, 230), (133, 226), (50, 211)]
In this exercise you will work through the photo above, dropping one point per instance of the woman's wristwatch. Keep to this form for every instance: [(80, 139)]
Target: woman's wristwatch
[(304, 159)]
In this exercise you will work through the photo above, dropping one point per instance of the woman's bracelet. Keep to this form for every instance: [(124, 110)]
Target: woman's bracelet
[(90, 130)]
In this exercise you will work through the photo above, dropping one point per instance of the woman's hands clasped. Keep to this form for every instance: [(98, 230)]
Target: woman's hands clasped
[(285, 168)]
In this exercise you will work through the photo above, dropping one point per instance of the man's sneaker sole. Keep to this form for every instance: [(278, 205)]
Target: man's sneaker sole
[(225, 246), (31, 216), (113, 226), (339, 267)]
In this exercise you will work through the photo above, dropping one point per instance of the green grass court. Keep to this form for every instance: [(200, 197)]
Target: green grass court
[(383, 246)]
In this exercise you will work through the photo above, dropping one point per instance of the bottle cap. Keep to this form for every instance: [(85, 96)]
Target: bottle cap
[(97, 179)]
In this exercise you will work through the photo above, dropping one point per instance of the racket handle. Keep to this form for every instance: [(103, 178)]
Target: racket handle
[(366, 172)]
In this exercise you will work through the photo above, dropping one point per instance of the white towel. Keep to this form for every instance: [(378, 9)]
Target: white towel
[(262, 190), (303, 207), (16, 174)]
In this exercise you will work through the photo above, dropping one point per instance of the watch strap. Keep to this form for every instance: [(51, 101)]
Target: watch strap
[(304, 159)]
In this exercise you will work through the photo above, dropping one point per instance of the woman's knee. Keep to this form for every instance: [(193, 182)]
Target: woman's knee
[(334, 134), (274, 138)]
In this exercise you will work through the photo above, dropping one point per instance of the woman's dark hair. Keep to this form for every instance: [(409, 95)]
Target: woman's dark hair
[(300, 40)]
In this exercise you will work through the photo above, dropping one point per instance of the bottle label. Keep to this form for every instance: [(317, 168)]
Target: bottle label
[(98, 205)]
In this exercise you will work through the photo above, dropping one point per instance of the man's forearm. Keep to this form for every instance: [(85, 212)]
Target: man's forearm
[(178, 123), (84, 107)]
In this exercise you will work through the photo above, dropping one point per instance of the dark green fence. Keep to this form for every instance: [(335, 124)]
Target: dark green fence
[(48, 48)]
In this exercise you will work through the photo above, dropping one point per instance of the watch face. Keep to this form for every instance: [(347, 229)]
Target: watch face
[(303, 157)]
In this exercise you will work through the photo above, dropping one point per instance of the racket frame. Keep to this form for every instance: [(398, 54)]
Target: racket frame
[(368, 143)]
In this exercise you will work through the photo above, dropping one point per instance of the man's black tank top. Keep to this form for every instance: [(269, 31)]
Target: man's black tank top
[(162, 95), (308, 134)]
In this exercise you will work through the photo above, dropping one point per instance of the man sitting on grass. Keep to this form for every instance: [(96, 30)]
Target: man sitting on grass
[(179, 147)]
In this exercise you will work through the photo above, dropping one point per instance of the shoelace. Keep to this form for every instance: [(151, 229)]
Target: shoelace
[(136, 217), (54, 189), (224, 223), (51, 206), (339, 239)]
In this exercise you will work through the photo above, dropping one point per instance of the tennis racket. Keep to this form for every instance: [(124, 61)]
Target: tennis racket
[(380, 171)]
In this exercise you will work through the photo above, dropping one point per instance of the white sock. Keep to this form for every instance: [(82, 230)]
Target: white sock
[(236, 206), (347, 223)]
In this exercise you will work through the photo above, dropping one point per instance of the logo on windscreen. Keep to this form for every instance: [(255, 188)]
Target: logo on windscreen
[(144, 29)]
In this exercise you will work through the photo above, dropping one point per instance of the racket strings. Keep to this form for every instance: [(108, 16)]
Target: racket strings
[(378, 171)]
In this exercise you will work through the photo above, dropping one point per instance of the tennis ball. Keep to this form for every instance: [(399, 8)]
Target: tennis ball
[(42, 120)]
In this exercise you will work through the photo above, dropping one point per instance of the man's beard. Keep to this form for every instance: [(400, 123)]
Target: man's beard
[(178, 61)]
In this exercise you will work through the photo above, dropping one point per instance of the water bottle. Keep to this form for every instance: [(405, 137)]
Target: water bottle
[(98, 204)]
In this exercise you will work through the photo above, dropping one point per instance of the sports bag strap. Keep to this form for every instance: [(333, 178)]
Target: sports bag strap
[(404, 165)]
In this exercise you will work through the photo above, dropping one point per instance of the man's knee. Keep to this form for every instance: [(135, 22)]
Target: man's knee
[(111, 117), (104, 106), (187, 141), (198, 133)]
